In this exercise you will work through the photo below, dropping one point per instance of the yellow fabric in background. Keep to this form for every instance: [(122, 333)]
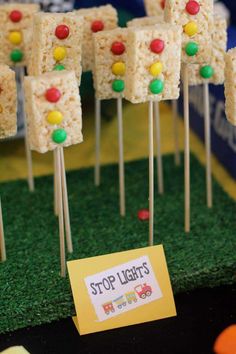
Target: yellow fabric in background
[(13, 162)]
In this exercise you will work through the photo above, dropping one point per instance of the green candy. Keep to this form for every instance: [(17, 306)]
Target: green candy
[(118, 85), (156, 86), (207, 71), (59, 67), (191, 49), (16, 55), (59, 136)]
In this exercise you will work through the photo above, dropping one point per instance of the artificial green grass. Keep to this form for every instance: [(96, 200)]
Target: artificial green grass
[(31, 290)]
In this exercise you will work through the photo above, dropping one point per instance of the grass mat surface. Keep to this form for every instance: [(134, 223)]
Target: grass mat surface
[(31, 290)]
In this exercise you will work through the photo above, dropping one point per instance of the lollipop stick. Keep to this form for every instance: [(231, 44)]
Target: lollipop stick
[(27, 146), (3, 256), (121, 157), (186, 150), (61, 219), (55, 183), (159, 156), (175, 131), (97, 172), (208, 145), (151, 175), (65, 203)]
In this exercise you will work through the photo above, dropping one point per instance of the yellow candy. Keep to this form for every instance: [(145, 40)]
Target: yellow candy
[(191, 28), (59, 53), (1, 109), (15, 37), (156, 68), (118, 68), (54, 117)]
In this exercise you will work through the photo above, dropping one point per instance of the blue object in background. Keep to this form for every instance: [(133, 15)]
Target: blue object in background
[(134, 7)]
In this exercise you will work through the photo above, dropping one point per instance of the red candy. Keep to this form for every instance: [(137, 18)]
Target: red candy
[(53, 95), (62, 31), (157, 46), (193, 7), (143, 214), (15, 16), (163, 2), (118, 48), (97, 26)]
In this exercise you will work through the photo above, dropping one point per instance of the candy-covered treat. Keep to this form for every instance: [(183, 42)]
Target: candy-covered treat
[(196, 19), (16, 21), (53, 110), (213, 72), (153, 63), (57, 44), (8, 105), (96, 19), (230, 80), (145, 21), (110, 63), (155, 7)]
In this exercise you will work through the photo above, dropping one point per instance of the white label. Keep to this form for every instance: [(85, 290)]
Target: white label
[(123, 288)]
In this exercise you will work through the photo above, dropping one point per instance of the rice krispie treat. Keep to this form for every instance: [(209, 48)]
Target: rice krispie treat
[(57, 43), (96, 19), (8, 105), (230, 90), (53, 110), (153, 63), (145, 21), (213, 72), (196, 19), (16, 22), (110, 63), (155, 7)]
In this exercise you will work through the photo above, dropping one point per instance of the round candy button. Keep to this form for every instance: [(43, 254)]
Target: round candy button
[(193, 7), (207, 71), (62, 31), (157, 46), (191, 28), (118, 48), (59, 136), (191, 49), (59, 67), (156, 68), (15, 16), (54, 117), (59, 53), (16, 55), (143, 214), (118, 85), (163, 3), (156, 86), (15, 37), (97, 26), (118, 68), (53, 95)]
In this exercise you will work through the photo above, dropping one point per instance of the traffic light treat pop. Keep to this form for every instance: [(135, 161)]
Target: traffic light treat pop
[(16, 21), (145, 21), (57, 39), (230, 91), (96, 19), (155, 8)]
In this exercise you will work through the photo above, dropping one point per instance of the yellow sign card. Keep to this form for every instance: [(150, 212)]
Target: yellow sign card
[(121, 289)]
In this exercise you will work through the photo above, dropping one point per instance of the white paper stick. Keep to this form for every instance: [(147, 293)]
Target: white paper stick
[(160, 180), (65, 203), (208, 145), (176, 131), (121, 157), (186, 150), (151, 175), (27, 146), (55, 183), (97, 172), (61, 218), (3, 256)]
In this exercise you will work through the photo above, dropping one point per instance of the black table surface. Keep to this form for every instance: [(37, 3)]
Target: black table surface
[(202, 315)]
